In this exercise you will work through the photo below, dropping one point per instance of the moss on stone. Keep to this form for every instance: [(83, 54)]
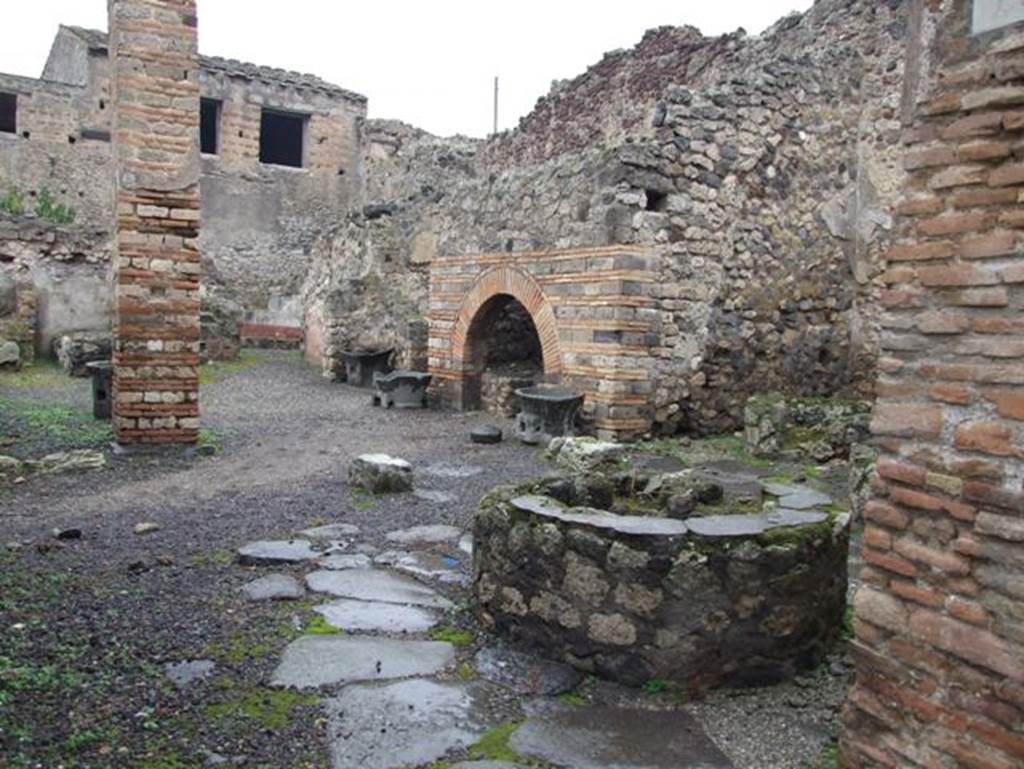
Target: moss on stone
[(494, 745), (452, 635), (317, 624)]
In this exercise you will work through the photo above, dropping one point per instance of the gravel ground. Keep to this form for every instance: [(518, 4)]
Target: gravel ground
[(88, 623)]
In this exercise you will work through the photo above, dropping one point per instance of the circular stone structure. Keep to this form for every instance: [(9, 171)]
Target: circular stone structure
[(714, 600)]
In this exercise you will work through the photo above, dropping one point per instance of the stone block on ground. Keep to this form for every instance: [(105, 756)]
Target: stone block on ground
[(587, 455), (380, 474), (486, 435), (10, 355)]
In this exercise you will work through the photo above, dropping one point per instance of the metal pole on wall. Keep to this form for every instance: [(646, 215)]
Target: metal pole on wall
[(495, 104)]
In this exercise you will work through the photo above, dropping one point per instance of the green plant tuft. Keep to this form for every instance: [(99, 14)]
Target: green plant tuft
[(452, 635), (493, 746)]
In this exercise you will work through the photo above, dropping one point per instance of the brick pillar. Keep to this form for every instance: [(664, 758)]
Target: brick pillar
[(155, 82), (940, 618)]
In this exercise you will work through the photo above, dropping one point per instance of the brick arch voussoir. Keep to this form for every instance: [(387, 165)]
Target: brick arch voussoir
[(525, 290)]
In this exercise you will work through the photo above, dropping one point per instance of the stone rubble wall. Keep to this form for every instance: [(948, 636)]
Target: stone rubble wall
[(635, 599), (759, 170), (66, 271), (940, 617)]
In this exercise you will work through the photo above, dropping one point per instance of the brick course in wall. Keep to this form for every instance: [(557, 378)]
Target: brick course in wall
[(940, 616), (156, 124), (593, 312)]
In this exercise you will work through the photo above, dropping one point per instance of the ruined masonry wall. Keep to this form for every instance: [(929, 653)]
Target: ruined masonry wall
[(939, 621), (762, 186), (156, 333)]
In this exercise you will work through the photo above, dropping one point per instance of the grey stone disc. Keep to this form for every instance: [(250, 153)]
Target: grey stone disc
[(405, 724), (617, 738), (370, 616), (376, 585), (313, 661)]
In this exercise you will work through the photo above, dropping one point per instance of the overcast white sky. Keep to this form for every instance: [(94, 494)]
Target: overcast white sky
[(428, 62)]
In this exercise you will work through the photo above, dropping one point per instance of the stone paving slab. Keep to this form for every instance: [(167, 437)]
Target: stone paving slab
[(274, 552), (617, 738), (367, 616), (313, 661), (442, 470), (405, 724), (274, 587), (525, 673), (425, 535), (330, 532), (433, 495), (342, 561), (444, 568), (376, 585)]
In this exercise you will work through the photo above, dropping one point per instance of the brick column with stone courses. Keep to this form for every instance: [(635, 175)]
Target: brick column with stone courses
[(939, 619), (155, 81)]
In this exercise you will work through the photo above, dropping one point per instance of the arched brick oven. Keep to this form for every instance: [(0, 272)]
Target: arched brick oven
[(593, 314)]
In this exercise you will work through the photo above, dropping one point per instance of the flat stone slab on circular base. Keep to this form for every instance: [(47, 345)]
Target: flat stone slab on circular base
[(183, 674), (624, 524), (313, 661), (752, 525), (376, 585), (331, 532), (274, 587), (525, 673), (343, 561), (486, 435), (617, 738), (798, 497), (369, 616), (410, 723), (272, 552), (425, 535)]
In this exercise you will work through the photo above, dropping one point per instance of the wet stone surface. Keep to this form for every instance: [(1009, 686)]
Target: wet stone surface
[(331, 532), (405, 724), (314, 661), (448, 569), (525, 673), (274, 587), (425, 535), (274, 552), (375, 585), (374, 617), (342, 561), (617, 738)]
